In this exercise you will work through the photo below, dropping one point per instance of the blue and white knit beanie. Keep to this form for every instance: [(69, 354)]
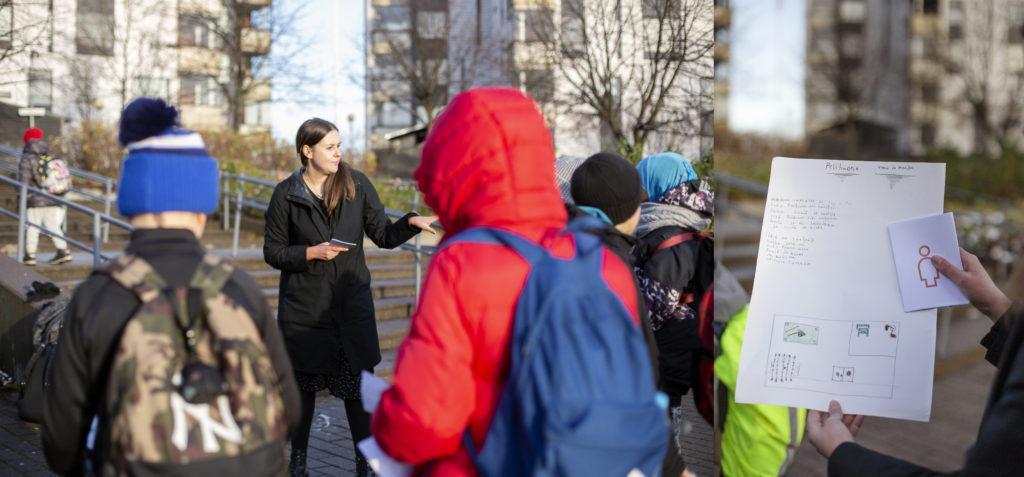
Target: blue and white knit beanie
[(166, 168)]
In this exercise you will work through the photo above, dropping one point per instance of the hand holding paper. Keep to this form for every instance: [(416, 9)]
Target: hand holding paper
[(974, 281), (914, 243), (370, 388)]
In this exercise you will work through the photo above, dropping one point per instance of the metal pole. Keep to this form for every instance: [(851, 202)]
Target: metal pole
[(419, 261), (97, 240), (22, 208), (238, 219), (227, 202), (109, 187)]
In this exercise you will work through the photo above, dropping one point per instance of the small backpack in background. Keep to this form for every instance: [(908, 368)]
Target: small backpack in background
[(580, 397), (55, 176), (190, 380)]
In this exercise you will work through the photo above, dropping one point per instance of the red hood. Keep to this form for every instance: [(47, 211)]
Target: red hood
[(489, 161)]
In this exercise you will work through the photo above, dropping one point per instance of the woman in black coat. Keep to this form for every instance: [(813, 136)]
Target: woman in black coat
[(325, 308)]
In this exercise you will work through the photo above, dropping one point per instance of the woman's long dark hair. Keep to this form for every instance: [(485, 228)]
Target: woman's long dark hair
[(338, 185)]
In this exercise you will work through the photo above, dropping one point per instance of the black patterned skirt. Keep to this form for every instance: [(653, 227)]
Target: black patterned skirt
[(342, 386)]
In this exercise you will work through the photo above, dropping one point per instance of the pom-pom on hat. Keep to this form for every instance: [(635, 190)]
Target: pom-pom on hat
[(32, 134), (166, 168)]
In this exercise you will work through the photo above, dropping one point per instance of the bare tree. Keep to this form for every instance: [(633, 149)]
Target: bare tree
[(22, 29), (245, 37), (643, 67), (991, 91)]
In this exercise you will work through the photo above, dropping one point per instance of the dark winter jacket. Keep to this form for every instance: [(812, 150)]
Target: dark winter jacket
[(95, 318), (326, 307), (663, 278), (996, 452), (31, 169)]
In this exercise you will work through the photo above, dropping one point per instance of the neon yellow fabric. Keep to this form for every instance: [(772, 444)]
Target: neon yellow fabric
[(756, 435)]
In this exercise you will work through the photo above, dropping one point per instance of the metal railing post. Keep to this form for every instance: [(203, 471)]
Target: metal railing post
[(97, 240), (419, 260), (238, 219), (226, 211), (109, 188), (22, 209)]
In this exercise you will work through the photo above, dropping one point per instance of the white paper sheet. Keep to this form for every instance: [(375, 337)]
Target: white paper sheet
[(370, 389), (825, 319), (914, 242), (380, 462)]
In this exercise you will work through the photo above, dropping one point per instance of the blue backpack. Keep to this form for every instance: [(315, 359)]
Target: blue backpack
[(580, 397)]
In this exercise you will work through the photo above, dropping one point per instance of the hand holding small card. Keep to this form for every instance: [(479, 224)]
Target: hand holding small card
[(914, 242)]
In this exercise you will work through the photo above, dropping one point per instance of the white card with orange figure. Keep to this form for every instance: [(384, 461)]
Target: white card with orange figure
[(914, 242)]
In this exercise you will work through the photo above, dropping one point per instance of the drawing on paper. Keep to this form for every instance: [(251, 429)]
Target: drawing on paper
[(925, 269), (866, 368), (801, 333)]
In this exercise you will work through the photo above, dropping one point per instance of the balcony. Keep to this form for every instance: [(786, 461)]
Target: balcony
[(255, 4), (723, 17), (721, 53), (206, 8), (197, 60), (255, 41), (203, 117), (259, 91), (925, 25)]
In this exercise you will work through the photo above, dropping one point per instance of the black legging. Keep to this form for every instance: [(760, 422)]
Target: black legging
[(358, 421)]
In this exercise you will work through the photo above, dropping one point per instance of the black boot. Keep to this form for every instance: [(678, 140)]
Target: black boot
[(297, 464)]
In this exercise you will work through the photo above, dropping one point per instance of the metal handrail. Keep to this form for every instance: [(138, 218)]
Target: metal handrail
[(242, 201), (725, 183), (107, 182), (98, 221)]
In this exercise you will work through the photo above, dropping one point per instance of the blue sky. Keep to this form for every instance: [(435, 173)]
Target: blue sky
[(767, 67), (336, 27)]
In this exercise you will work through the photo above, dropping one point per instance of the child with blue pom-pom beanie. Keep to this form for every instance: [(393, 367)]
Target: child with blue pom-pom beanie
[(174, 350)]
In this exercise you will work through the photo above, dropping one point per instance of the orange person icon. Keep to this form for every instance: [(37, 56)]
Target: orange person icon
[(925, 270)]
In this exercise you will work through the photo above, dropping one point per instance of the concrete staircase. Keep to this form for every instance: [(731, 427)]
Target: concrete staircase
[(393, 271)]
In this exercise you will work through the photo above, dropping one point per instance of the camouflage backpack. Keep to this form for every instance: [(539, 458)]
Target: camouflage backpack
[(156, 419)]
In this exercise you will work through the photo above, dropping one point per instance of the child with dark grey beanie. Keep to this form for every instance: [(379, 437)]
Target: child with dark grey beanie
[(608, 187)]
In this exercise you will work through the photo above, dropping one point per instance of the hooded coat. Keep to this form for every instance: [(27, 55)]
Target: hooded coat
[(486, 162)]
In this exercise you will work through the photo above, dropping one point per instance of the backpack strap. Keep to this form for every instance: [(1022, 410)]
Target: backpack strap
[(136, 275), (211, 275), (530, 251)]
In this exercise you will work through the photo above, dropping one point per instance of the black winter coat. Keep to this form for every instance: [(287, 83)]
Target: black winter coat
[(326, 307), (677, 339), (996, 452)]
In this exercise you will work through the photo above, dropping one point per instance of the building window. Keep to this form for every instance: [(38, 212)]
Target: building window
[(539, 84), (257, 114), (573, 28), (392, 17), (1015, 26), (852, 11), (929, 92), (852, 46), (391, 115), (196, 31), (94, 27), (535, 24), (656, 9), (930, 7), (927, 135), (6, 25), (199, 90), (40, 88), (432, 25), (152, 87), (956, 20)]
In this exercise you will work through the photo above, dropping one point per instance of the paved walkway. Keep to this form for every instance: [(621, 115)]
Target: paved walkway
[(330, 445), (957, 405)]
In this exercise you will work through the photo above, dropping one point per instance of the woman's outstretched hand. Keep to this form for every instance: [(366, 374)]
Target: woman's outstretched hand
[(423, 222), (974, 281)]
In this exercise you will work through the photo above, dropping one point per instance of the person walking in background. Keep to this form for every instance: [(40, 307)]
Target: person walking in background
[(33, 168), (996, 452), (487, 163), (674, 266), (326, 304), (169, 361), (758, 440)]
